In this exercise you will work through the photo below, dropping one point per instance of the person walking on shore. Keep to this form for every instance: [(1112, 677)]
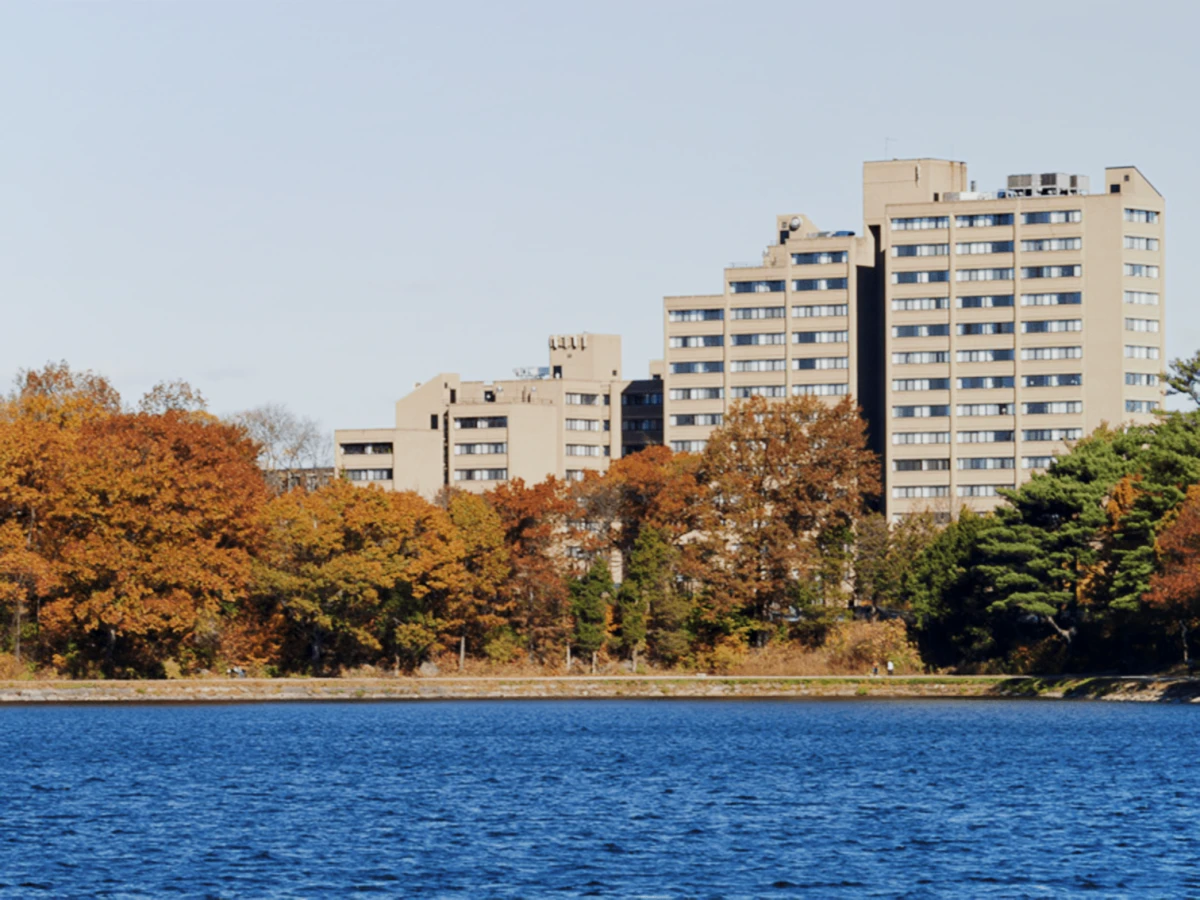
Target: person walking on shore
[(891, 668)]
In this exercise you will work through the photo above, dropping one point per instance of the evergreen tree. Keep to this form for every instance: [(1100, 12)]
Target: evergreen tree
[(591, 596)]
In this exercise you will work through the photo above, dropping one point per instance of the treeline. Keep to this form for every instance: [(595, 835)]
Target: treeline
[(145, 542)]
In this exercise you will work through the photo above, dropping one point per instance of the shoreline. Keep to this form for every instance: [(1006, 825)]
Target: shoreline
[(603, 687)]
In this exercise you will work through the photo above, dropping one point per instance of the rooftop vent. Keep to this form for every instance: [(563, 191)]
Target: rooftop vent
[(1048, 184)]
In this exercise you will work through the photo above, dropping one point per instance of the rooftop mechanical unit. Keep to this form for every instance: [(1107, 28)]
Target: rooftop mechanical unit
[(1048, 184)]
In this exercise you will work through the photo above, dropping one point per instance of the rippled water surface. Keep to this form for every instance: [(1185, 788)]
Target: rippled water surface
[(597, 798)]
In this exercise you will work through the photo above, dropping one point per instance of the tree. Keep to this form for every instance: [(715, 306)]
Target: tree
[(885, 554), (780, 478), (172, 395), (1184, 377), (1175, 587), (591, 599), (487, 564), (287, 441), (653, 612), (157, 542)]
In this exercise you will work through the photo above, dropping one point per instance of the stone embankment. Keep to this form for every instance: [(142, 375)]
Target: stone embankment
[(254, 690)]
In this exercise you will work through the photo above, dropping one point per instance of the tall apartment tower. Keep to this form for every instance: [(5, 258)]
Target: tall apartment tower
[(782, 327), (564, 419), (983, 331)]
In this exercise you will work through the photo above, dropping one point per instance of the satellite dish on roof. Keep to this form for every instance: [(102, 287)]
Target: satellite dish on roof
[(795, 223)]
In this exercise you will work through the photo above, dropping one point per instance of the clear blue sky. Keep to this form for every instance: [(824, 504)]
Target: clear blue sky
[(322, 203)]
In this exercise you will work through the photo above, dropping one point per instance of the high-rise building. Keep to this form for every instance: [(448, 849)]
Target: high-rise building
[(981, 332), (574, 415)]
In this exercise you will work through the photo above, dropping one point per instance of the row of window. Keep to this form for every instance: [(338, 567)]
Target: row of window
[(577, 399), (692, 341), (987, 437), (1137, 270), (698, 419), (971, 463), (778, 312), (641, 399), (587, 450), (1062, 298), (1141, 215), (760, 390), (819, 259), (975, 248), (366, 449), (993, 382), (482, 422), (1134, 242), (778, 286), (760, 365), (369, 474), (641, 425), (937, 276), (1049, 217), (929, 357), (585, 425), (939, 410), (480, 474), (480, 449), (940, 490), (1036, 326)]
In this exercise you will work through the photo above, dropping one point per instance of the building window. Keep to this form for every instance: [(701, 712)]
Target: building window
[(583, 450), (921, 384), (366, 449), (820, 284), (806, 363), (921, 223), (695, 315), (1048, 245), (815, 311), (1051, 271), (756, 287), (921, 465), (1065, 380), (641, 425), (757, 365), (1141, 406), (759, 312), (696, 340), (984, 409), (480, 474), (983, 275), (641, 399), (697, 368), (972, 248), (1071, 298), (985, 382), (1141, 298), (1042, 353), (819, 259), (1138, 351), (697, 419), (986, 220), (968, 463), (1133, 242), (921, 358), (925, 411), (758, 390), (1051, 434), (820, 390), (921, 250), (1137, 270), (368, 474), (1141, 379), (1037, 462), (982, 490), (479, 449), (582, 424), (574, 474), (977, 328), (1141, 324), (1052, 408), (760, 339), (710, 393), (930, 277), (820, 337), (918, 331), (1052, 217), (987, 301), (985, 437), (1051, 326), (976, 356), (920, 491), (573, 399), (920, 437), (482, 422), (1147, 216), (688, 446), (914, 304)]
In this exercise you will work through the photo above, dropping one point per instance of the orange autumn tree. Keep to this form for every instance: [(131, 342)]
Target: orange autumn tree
[(486, 561), (784, 481), (1175, 587), (537, 521), (40, 423), (156, 542)]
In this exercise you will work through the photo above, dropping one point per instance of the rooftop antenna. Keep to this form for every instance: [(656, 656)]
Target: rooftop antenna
[(886, 142)]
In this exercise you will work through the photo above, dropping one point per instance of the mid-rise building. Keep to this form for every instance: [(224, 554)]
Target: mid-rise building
[(564, 419), (981, 332)]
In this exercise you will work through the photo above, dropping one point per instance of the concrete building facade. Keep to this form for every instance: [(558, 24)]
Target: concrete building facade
[(564, 419), (981, 332)]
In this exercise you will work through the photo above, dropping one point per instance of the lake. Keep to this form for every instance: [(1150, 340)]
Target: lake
[(668, 798)]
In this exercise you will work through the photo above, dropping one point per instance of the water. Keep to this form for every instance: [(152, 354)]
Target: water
[(605, 799)]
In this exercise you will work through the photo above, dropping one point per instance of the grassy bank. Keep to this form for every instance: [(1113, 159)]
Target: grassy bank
[(253, 690)]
